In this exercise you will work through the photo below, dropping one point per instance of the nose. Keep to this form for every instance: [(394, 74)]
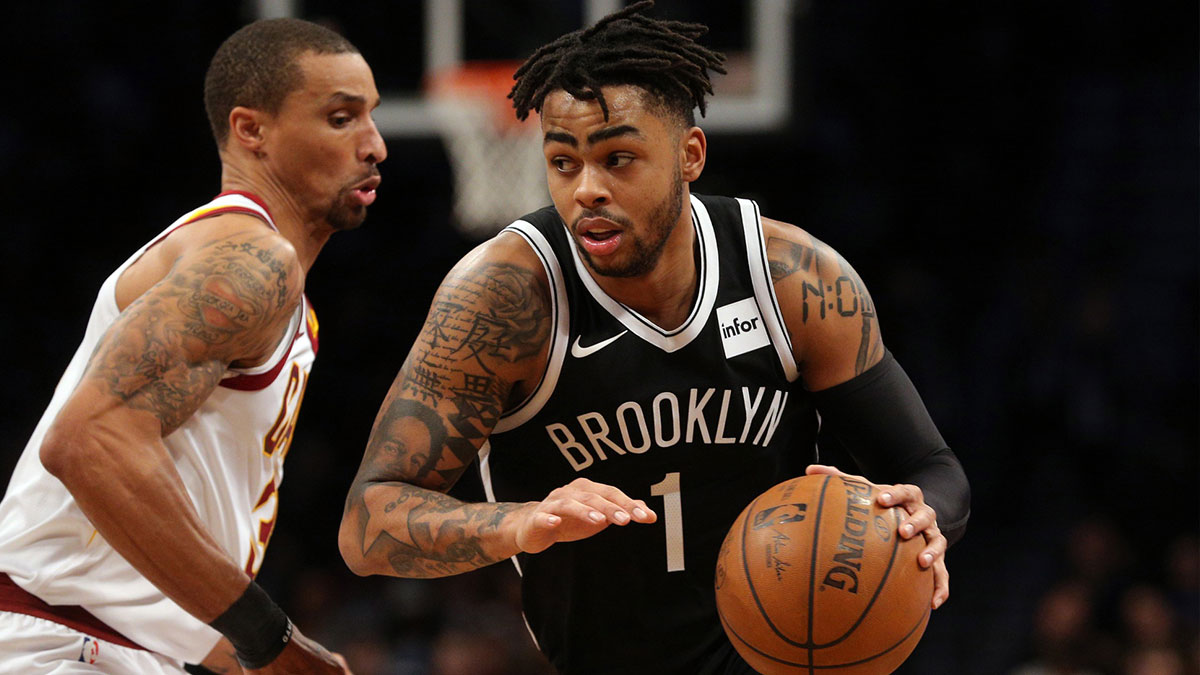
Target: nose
[(592, 190), (373, 150)]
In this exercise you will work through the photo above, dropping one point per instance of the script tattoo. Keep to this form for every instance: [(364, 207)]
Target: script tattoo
[(823, 297), (445, 401), (169, 348)]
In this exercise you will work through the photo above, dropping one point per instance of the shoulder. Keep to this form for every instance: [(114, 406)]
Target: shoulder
[(244, 248), (797, 260), (232, 281), (508, 261), (792, 251), (827, 308), (221, 247), (491, 318)]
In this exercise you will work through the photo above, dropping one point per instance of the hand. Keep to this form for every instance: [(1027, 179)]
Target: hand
[(302, 655), (576, 511), (919, 519), (222, 659)]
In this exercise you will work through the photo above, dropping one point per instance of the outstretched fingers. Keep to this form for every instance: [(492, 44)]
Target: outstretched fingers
[(598, 503), (619, 507), (579, 510)]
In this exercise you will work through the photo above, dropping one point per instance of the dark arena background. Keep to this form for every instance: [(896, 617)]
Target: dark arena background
[(1015, 181)]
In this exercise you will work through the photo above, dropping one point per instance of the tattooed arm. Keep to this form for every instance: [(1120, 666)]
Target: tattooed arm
[(827, 309), (484, 346), (223, 290)]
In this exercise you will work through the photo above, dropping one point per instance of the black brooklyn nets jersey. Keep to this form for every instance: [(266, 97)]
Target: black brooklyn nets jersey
[(696, 420)]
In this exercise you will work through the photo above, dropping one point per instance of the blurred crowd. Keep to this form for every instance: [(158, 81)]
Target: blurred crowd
[(1112, 606)]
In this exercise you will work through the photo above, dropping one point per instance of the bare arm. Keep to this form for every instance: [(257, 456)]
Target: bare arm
[(227, 299), (484, 344), (828, 310)]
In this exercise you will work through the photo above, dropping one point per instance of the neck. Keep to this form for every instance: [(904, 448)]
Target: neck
[(666, 293), (306, 233)]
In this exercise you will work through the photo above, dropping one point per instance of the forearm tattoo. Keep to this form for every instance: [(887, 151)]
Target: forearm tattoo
[(825, 297), (445, 401), (169, 348)]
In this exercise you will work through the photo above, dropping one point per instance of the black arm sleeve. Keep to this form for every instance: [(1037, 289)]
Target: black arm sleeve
[(880, 419)]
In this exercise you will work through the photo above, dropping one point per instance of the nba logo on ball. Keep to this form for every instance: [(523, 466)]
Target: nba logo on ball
[(742, 328)]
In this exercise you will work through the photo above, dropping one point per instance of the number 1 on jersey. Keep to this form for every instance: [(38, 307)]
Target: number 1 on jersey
[(668, 489)]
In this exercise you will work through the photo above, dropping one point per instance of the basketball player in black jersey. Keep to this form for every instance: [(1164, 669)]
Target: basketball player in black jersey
[(637, 356)]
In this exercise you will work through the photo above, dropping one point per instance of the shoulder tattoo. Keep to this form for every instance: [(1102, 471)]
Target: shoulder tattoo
[(169, 348)]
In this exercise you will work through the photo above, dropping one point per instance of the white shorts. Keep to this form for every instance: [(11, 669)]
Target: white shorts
[(33, 646)]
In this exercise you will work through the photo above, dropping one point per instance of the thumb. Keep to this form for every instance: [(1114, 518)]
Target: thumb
[(823, 469)]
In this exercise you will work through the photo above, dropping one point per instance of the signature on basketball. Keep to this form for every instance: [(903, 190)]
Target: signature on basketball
[(775, 517), (779, 541)]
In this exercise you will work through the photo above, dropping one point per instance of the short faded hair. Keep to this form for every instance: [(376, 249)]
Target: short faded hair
[(257, 68)]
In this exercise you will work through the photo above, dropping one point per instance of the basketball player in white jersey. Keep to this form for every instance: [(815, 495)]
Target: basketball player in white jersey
[(142, 506), (636, 356)]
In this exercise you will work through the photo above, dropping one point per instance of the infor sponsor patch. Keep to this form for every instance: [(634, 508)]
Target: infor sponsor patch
[(742, 328)]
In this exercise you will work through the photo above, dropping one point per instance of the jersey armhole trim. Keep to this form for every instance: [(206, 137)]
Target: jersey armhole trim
[(560, 318), (259, 377), (764, 288), (485, 475)]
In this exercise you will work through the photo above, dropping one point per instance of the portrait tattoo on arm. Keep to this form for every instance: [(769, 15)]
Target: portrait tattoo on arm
[(445, 401), (824, 296), (169, 348)]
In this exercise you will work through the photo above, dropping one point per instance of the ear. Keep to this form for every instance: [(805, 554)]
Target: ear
[(246, 127), (693, 152)]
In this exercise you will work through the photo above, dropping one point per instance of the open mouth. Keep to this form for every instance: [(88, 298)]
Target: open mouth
[(365, 191), (600, 235)]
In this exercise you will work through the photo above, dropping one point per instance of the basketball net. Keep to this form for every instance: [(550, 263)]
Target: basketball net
[(499, 172)]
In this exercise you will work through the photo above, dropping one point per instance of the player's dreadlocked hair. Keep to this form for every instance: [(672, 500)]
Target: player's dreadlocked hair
[(625, 47)]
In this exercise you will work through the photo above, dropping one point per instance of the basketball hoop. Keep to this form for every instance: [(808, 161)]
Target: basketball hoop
[(497, 160)]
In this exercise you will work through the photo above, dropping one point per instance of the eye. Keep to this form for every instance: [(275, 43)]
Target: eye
[(339, 120), (564, 164), (618, 160)]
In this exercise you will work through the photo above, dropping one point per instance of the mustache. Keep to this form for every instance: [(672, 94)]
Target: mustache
[(602, 213), (373, 173)]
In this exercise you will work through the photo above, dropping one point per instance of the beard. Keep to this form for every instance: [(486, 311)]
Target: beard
[(346, 212), (645, 251), (344, 215)]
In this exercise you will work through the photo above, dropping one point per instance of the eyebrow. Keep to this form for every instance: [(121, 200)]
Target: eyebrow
[(594, 137), (343, 97)]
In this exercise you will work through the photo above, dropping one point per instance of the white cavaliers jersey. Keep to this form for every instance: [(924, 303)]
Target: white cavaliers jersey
[(229, 454)]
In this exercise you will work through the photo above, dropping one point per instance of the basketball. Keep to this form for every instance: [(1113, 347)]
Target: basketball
[(814, 577)]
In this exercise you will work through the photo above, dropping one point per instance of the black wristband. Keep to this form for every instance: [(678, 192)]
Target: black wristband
[(256, 626)]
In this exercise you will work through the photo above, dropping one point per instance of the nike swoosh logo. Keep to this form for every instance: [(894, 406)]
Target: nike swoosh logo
[(579, 351)]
